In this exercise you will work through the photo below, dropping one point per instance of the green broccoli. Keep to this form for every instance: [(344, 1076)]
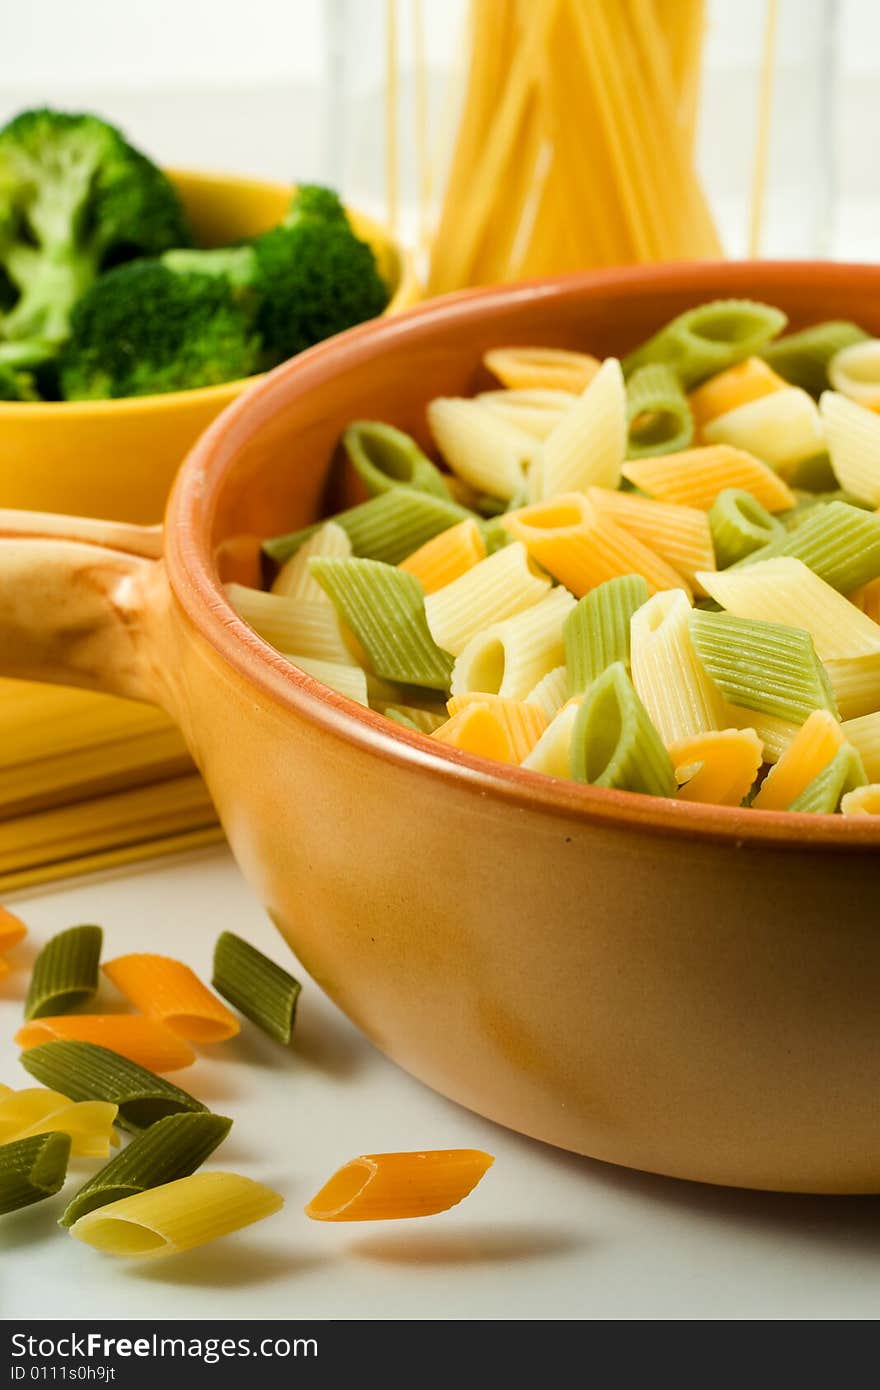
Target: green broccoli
[(75, 199), (144, 328), (17, 385), (202, 317)]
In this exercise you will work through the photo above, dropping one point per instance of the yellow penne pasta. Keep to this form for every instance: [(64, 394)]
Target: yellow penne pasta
[(694, 477), (390, 1187), (668, 676), (855, 373), (294, 579), (292, 625), (718, 768), (168, 990), (177, 1216), (540, 368), (347, 680), (776, 734), (487, 452), (21, 1109), (12, 930), (855, 681), (864, 735), (550, 754), (506, 730), (509, 658), (551, 693), (862, 801), (88, 1122), (588, 445), (736, 386), (853, 435), (810, 751), (497, 588), (142, 1040), (786, 591), (582, 549), (783, 428), (447, 556), (679, 535), (536, 412)]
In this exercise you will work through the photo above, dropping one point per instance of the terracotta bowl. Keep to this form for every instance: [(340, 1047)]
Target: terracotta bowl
[(684, 989), (118, 458)]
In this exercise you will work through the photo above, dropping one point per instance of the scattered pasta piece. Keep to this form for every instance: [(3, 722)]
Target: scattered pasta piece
[(260, 989), (170, 991), (88, 1123), (65, 972), (717, 768), (391, 1187), (32, 1170), (21, 1109), (88, 1072), (142, 1040), (177, 1216)]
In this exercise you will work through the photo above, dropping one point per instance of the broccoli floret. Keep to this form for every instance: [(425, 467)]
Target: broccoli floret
[(17, 385), (144, 329), (75, 198)]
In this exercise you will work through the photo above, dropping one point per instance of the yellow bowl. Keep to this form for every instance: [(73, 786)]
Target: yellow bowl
[(117, 459)]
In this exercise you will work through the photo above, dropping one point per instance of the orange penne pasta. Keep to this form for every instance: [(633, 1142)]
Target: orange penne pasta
[(447, 556), (143, 1040), (694, 477), (390, 1187), (493, 727), (581, 548), (168, 990), (12, 930), (537, 368), (679, 535), (738, 385), (810, 751), (717, 768)]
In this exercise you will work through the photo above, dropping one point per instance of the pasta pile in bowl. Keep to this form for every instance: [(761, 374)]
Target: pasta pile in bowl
[(659, 574)]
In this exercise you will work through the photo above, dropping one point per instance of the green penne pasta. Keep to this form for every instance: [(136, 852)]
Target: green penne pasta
[(65, 972), (426, 721), (840, 543), (170, 1149), (388, 527), (384, 457), (802, 358), (84, 1071), (385, 609), (708, 338), (263, 991), (808, 502), (32, 1170), (399, 717), (614, 743), (597, 631), (843, 774), (658, 416), (762, 666), (740, 526)]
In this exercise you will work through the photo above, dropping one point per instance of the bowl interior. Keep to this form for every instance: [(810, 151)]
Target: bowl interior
[(271, 463)]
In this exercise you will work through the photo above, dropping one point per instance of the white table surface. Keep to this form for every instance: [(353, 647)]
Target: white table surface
[(545, 1235)]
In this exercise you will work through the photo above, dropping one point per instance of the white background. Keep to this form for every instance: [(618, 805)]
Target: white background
[(244, 87)]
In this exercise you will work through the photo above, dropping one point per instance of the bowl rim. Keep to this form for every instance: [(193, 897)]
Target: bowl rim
[(196, 584), (166, 402)]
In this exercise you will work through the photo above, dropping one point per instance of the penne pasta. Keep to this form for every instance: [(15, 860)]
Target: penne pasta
[(503, 730), (65, 972), (170, 991), (669, 678), (88, 1072), (582, 549), (551, 693), (484, 450), (12, 930), (783, 428), (294, 579), (32, 1170), (853, 435), (804, 358), (854, 371), (261, 990), (552, 753), (709, 338), (679, 535), (658, 416), (597, 631), (862, 801), (717, 768), (785, 591), (509, 658), (767, 667), (867, 598), (824, 794), (177, 1216), (19, 1110), (588, 445), (695, 477), (736, 386), (497, 588), (542, 368), (613, 741), (808, 754), (864, 735), (87, 1123), (447, 556), (388, 527), (394, 1186), (142, 1040), (775, 734), (385, 458), (310, 628), (855, 681), (350, 681), (537, 412), (740, 526)]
